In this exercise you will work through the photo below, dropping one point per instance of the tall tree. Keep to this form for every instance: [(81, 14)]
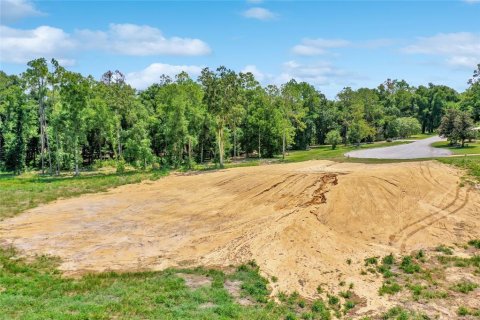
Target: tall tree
[(37, 78), (292, 110), (221, 95), (75, 93)]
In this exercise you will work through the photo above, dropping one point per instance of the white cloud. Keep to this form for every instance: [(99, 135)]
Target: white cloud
[(259, 13), (254, 70), (321, 73), (151, 74), (136, 40), (20, 46), (461, 49), (312, 47), (11, 10)]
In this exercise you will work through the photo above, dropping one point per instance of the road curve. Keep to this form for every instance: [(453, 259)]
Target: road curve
[(415, 150)]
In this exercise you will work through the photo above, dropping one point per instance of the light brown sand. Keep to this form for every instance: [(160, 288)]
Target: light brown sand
[(300, 222)]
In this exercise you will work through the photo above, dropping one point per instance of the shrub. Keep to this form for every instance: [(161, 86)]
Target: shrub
[(334, 138), (120, 166)]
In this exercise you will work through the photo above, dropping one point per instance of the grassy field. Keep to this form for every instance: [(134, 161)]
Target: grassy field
[(35, 290), (469, 148), (19, 193), (470, 164), (421, 136)]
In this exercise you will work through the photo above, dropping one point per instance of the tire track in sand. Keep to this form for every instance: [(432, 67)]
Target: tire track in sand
[(430, 223)]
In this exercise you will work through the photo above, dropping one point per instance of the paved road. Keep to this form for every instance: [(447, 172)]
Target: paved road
[(414, 150)]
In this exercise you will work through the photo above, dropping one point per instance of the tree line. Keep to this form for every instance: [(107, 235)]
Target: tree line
[(54, 119)]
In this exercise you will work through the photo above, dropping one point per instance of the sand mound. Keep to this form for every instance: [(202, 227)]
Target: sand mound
[(300, 222)]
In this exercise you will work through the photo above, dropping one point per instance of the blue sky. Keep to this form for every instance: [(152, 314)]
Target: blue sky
[(329, 44)]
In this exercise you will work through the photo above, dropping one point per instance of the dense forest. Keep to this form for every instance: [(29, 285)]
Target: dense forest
[(53, 119)]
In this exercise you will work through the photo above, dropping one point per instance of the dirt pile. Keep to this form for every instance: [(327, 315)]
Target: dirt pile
[(300, 222)]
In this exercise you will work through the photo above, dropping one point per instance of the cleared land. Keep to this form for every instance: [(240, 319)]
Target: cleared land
[(300, 222)]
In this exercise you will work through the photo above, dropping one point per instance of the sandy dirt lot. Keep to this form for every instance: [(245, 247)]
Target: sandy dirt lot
[(300, 222)]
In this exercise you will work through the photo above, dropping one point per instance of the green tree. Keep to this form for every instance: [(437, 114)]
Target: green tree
[(221, 96), (456, 126), (37, 75), (292, 110), (333, 138), (407, 126), (75, 93), (17, 123)]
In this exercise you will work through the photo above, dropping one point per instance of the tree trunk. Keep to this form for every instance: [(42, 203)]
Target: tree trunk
[(234, 142), (76, 158), (259, 146), (42, 141), (201, 153), (119, 127), (119, 156), (56, 154), (220, 146), (189, 152), (48, 147), (284, 141)]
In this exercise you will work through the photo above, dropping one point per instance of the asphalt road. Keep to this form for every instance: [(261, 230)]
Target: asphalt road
[(418, 149)]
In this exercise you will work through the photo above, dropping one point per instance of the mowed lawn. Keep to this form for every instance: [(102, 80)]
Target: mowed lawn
[(469, 148)]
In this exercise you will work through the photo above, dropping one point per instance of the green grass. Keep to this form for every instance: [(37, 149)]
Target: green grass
[(36, 290), (469, 148), (421, 136), (327, 153), (464, 286), (470, 164), (18, 193)]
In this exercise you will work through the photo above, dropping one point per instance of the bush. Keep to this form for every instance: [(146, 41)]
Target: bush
[(407, 126), (333, 137), (120, 166)]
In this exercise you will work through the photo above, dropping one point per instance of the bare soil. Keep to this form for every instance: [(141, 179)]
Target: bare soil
[(300, 222)]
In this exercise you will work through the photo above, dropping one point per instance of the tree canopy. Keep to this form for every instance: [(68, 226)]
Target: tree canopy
[(53, 119)]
